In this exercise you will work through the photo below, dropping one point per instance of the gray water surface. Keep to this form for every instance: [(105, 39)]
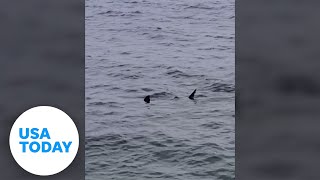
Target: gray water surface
[(165, 49)]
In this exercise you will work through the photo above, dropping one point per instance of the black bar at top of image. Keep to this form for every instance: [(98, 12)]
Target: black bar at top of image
[(41, 63)]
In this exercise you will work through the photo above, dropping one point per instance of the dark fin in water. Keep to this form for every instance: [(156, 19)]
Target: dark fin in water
[(147, 99), (192, 95)]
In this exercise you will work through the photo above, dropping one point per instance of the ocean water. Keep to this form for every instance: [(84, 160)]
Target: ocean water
[(165, 49)]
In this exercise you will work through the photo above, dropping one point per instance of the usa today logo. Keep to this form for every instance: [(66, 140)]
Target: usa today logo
[(44, 146), (44, 140)]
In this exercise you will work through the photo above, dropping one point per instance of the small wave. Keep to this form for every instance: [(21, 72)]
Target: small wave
[(122, 65), (125, 76), (131, 90), (125, 53), (166, 44), (157, 144), (110, 113), (165, 154), (212, 125), (201, 96), (213, 159), (174, 72), (200, 6), (132, 77), (158, 37), (98, 86), (147, 89), (221, 87), (180, 74), (207, 49), (108, 137), (162, 66), (162, 95), (110, 104), (112, 13), (131, 2), (136, 12), (224, 37), (97, 104)]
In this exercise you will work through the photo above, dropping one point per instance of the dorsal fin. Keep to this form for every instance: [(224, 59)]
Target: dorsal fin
[(192, 95), (147, 99)]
